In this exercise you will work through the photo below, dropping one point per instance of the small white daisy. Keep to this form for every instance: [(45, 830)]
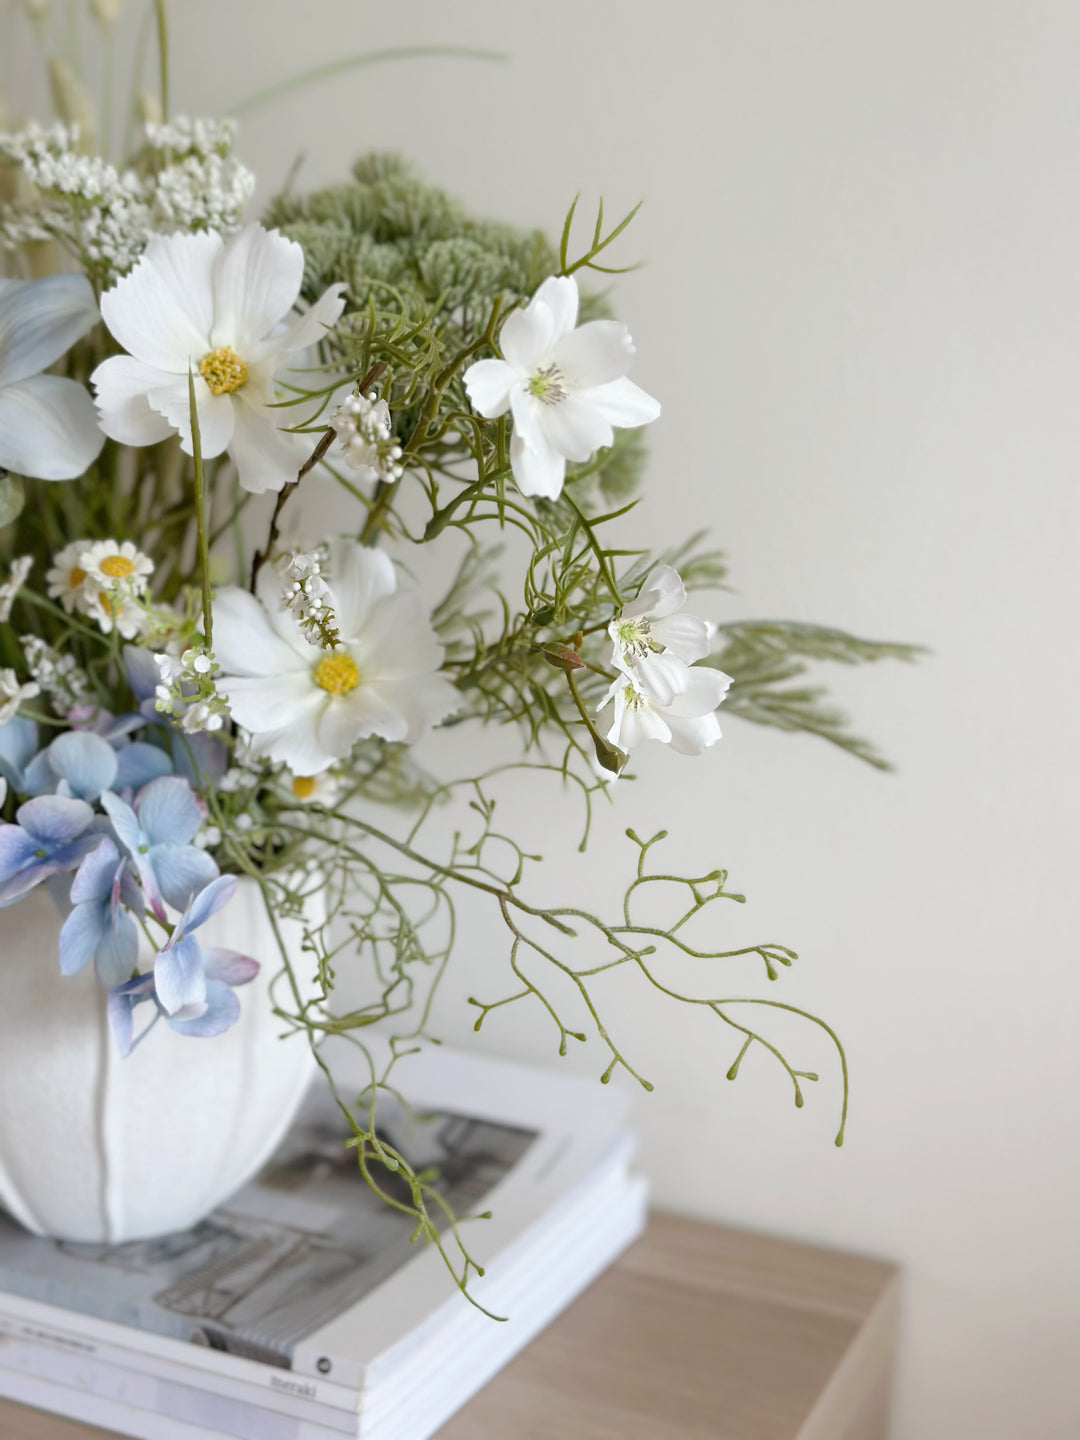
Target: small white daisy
[(69, 580), (114, 562)]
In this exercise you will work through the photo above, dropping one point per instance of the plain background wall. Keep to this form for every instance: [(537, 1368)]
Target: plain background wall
[(862, 314)]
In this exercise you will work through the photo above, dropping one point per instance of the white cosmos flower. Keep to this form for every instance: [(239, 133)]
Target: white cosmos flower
[(688, 724), (655, 640), (565, 387), (221, 309), (307, 707), (48, 427)]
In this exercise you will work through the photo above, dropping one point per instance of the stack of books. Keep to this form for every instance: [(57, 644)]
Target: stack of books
[(303, 1309)]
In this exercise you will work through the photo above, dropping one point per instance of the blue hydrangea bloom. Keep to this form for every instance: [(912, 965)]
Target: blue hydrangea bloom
[(77, 763), (180, 967), (51, 833), (99, 928), (156, 834)]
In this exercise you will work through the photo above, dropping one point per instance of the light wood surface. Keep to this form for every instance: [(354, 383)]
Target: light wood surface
[(700, 1332)]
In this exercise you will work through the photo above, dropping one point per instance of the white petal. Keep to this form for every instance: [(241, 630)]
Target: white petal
[(686, 636), (423, 700), (353, 717), (691, 737), (40, 320), (638, 724), (247, 643), (307, 329), (122, 384), (660, 677), (662, 593), (163, 311), (271, 702), (298, 747), (596, 354), (623, 403), (537, 471), (256, 279), (216, 413), (487, 384), (360, 578), (397, 638), (266, 457), (525, 338), (574, 428), (526, 410), (48, 428), (560, 294), (704, 692)]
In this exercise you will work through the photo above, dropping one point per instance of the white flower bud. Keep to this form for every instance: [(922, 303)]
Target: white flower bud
[(105, 12)]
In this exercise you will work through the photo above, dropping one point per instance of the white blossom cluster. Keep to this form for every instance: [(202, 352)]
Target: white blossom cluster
[(186, 690), (106, 216), (64, 682), (306, 595), (365, 432), (105, 580)]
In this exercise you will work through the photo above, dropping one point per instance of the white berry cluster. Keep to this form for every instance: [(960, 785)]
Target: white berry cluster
[(64, 683), (186, 691), (306, 595), (366, 435)]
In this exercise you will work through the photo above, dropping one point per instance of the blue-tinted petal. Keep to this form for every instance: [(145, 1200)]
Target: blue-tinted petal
[(95, 878), (178, 975), (39, 777), (129, 893), (139, 763), (53, 820), (18, 743), (168, 811), (119, 1007), (218, 893), (141, 669), (118, 948), (16, 849), (222, 1011), (80, 935), (201, 759), (85, 761), (182, 871), (125, 822), (229, 966)]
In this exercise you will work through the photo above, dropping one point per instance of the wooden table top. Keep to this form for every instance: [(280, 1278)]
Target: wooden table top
[(699, 1332)]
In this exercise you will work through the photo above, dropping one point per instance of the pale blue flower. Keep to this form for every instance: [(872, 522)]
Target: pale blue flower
[(179, 969), (220, 1011), (99, 928), (18, 746), (77, 763), (51, 833), (156, 834)]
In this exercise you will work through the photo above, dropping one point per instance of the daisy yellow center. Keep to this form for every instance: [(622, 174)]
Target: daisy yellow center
[(337, 674), (223, 370), (116, 566), (303, 786), (76, 577), (549, 385)]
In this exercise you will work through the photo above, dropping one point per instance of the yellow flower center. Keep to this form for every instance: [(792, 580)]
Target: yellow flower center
[(106, 604), (337, 674), (114, 565), (303, 786), (223, 370), (76, 577)]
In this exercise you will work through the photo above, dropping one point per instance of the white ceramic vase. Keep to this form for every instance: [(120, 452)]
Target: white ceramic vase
[(97, 1148)]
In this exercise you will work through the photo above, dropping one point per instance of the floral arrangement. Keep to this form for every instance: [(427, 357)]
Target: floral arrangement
[(192, 693)]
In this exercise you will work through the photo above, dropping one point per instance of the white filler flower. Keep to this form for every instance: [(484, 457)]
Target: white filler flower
[(217, 308), (307, 707), (655, 640), (688, 724), (565, 387), (48, 428)]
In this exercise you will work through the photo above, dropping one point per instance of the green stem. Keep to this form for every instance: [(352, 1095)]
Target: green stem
[(163, 56), (200, 517)]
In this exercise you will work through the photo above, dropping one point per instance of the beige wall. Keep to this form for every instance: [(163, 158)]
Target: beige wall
[(862, 314)]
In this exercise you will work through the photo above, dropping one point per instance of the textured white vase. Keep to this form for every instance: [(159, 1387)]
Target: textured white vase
[(94, 1147)]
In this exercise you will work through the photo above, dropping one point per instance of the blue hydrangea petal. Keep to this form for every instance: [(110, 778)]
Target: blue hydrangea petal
[(181, 872), (80, 936), (168, 811), (39, 777), (141, 669), (125, 823), (53, 820), (85, 761), (16, 850), (202, 759), (18, 745), (138, 764), (208, 902), (118, 949), (229, 966), (178, 975), (94, 879), (120, 1005), (221, 1013)]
